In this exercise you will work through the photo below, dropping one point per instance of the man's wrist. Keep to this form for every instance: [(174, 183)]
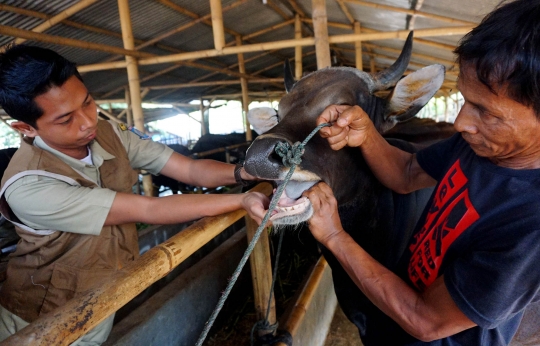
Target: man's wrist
[(238, 176)]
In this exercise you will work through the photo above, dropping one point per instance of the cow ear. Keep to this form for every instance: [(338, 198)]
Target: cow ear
[(412, 93), (289, 78), (262, 119)]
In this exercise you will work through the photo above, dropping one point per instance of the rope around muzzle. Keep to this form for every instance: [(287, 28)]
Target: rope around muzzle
[(291, 157)]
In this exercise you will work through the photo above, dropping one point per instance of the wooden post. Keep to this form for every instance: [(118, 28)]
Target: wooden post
[(297, 49), (205, 125), (320, 26), (245, 96), (261, 272), (217, 24), (129, 115), (134, 85), (372, 67), (358, 48)]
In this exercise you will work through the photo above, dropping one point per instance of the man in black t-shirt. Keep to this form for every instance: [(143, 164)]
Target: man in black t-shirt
[(472, 266)]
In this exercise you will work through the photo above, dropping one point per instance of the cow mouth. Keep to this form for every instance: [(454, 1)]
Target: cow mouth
[(292, 208)]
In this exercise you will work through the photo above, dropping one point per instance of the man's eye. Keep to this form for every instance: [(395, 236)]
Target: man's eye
[(66, 122)]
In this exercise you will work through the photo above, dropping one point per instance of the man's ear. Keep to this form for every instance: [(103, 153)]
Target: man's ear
[(24, 128)]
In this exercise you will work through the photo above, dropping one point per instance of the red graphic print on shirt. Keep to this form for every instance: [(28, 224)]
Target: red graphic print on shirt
[(450, 214)]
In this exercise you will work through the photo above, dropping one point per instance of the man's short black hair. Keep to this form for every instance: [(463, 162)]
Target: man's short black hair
[(27, 72), (504, 49)]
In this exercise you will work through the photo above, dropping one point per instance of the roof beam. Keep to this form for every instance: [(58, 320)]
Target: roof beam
[(60, 17), (410, 12), (37, 36)]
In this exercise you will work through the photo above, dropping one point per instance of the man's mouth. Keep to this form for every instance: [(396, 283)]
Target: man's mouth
[(292, 208)]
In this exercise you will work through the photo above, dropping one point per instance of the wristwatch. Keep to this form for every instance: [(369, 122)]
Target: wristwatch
[(238, 177)]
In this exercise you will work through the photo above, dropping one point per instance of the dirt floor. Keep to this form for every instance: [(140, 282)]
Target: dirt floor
[(342, 331), (298, 255)]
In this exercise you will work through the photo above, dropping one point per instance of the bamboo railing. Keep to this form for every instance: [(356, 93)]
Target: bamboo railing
[(87, 310)]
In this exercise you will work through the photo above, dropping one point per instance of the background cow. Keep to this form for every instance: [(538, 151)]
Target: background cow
[(378, 219)]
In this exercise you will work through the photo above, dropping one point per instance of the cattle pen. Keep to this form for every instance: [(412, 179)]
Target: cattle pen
[(145, 61)]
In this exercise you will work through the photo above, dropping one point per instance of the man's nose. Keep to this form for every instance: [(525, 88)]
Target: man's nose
[(464, 121), (87, 119)]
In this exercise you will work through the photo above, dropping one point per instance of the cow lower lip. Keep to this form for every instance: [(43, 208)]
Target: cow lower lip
[(290, 210)]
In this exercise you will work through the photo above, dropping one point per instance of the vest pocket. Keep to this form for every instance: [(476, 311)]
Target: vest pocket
[(66, 281)]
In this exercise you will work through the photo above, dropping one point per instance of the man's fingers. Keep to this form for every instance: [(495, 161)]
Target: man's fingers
[(331, 113)]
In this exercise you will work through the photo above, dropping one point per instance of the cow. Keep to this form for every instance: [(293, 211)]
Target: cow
[(378, 219), (167, 183)]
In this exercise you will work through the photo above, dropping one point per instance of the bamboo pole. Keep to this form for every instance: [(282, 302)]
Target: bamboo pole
[(245, 96), (129, 114), (204, 120), (402, 34), (346, 11), (217, 24), (64, 41), (410, 12), (320, 25), (308, 41), (60, 17), (87, 310), (134, 84), (261, 272), (297, 49), (304, 300), (358, 48)]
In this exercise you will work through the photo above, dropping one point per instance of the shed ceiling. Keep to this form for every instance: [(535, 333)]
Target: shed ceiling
[(255, 21)]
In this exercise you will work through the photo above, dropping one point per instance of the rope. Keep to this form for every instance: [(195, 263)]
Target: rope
[(291, 161)]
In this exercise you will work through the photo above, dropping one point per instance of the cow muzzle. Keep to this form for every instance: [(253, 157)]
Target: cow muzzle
[(264, 163)]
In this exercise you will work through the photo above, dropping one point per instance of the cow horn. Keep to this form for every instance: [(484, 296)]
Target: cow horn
[(289, 78), (390, 76)]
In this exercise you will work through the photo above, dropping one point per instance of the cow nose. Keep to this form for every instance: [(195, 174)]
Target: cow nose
[(262, 160)]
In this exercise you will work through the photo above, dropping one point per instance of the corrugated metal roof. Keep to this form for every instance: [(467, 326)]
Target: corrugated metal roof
[(152, 18)]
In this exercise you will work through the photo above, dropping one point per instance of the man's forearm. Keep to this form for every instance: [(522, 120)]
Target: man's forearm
[(428, 316), (210, 173), (389, 164), (170, 209)]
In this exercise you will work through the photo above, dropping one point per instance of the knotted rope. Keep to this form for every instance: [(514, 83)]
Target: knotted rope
[(291, 157)]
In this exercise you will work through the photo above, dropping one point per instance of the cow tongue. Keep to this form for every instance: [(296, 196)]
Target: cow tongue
[(292, 205)]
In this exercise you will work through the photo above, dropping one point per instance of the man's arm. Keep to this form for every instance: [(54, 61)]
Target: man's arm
[(207, 173), (180, 208), (394, 168), (427, 316)]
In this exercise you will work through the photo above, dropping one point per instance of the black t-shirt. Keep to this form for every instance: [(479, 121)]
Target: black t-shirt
[(481, 229)]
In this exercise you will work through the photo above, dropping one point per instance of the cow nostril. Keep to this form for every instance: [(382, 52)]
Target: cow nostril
[(274, 158)]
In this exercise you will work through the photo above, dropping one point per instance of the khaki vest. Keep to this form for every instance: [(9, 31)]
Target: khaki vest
[(49, 267)]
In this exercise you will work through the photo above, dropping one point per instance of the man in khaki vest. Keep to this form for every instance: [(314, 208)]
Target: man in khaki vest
[(68, 189)]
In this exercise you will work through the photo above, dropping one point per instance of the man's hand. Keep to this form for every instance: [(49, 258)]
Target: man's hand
[(256, 205), (325, 223), (350, 126)]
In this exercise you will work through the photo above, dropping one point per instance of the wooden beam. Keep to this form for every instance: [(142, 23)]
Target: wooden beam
[(322, 44), (298, 49), (190, 24), (346, 11), (358, 48), (64, 41), (411, 12), (244, 87), (134, 84), (217, 24), (214, 83), (307, 41), (60, 17)]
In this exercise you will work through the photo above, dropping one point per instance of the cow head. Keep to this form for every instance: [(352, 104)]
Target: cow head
[(343, 170)]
